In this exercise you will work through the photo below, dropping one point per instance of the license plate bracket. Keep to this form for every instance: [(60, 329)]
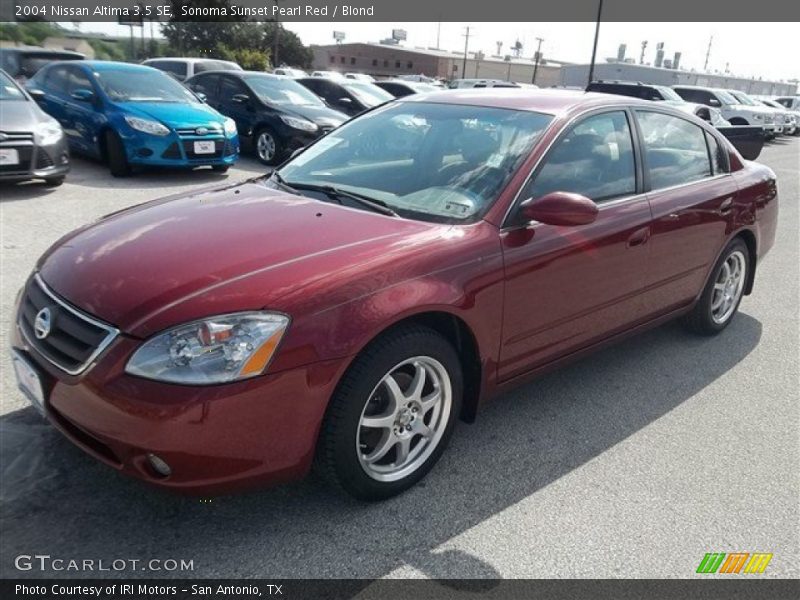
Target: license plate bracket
[(29, 381), (9, 156), (204, 147)]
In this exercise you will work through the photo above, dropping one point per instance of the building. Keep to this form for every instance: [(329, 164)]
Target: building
[(576, 76), (392, 60), (74, 44)]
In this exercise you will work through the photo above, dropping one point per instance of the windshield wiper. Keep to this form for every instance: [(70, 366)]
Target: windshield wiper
[(277, 178), (338, 194)]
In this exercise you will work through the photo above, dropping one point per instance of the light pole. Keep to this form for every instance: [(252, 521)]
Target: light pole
[(596, 35), (466, 46), (538, 55)]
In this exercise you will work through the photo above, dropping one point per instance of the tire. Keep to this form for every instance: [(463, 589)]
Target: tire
[(115, 153), (221, 168), (422, 422), (723, 292), (54, 181), (263, 140)]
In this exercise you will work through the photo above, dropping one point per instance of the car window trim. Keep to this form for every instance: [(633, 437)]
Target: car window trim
[(648, 187), (506, 225)]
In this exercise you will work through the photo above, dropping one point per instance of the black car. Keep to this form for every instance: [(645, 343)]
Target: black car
[(401, 89), (349, 95), (275, 115), (23, 62), (634, 89)]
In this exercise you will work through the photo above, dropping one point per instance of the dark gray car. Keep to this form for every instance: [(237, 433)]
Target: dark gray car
[(32, 143)]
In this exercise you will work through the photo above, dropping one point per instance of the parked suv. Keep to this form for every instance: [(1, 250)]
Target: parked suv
[(274, 114), (184, 68), (635, 89), (790, 102), (731, 109)]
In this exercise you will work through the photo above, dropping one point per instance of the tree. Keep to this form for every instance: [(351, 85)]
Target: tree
[(291, 50)]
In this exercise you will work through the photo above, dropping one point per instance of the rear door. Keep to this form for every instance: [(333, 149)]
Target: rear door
[(231, 92), (568, 287), (692, 196), (83, 115), (55, 84)]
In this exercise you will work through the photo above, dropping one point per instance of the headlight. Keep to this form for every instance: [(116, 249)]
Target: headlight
[(303, 124), (48, 132), (147, 126), (213, 350), (758, 117), (230, 127)]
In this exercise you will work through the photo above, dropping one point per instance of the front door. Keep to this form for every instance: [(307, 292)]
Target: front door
[(567, 287)]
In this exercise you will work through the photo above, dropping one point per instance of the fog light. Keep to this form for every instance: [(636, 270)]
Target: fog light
[(159, 465), (144, 152)]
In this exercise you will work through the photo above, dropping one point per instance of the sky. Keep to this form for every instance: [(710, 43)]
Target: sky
[(766, 50)]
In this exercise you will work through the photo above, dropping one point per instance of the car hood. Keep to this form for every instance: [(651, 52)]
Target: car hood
[(220, 250), (321, 115), (175, 115), (19, 116)]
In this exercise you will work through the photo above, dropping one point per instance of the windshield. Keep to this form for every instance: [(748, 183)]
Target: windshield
[(669, 94), (369, 94), (726, 98), (745, 99), (9, 90), (282, 91), (435, 162), (145, 85)]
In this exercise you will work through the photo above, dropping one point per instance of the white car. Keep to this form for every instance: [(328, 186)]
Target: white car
[(791, 119), (335, 75), (360, 77), (790, 102), (289, 72), (732, 109), (184, 68), (481, 83), (750, 101)]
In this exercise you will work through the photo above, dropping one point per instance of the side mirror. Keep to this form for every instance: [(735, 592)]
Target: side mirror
[(83, 95), (201, 96), (560, 208), (714, 102), (36, 94), (240, 98), (297, 151)]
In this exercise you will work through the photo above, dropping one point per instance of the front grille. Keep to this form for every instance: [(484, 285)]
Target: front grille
[(75, 339), (17, 136), (192, 131), (769, 119)]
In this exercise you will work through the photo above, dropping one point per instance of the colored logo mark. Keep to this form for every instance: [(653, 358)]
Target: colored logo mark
[(734, 562)]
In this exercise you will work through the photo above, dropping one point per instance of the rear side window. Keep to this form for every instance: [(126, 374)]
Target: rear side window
[(699, 96), (206, 84), (594, 159), (174, 67), (675, 149)]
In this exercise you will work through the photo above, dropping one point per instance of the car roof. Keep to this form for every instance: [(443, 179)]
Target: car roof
[(550, 101), (189, 60), (40, 50), (111, 65)]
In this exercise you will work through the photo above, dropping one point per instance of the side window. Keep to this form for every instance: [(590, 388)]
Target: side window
[(207, 84), (230, 87), (57, 80), (675, 149), (594, 159), (78, 80), (719, 158)]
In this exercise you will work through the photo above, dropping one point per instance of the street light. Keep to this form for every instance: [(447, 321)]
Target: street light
[(596, 35), (537, 57)]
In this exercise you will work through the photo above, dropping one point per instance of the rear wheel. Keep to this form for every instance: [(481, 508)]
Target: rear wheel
[(117, 159), (723, 292), (392, 414)]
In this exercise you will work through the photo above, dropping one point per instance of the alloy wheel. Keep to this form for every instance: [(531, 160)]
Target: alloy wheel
[(265, 146), (404, 419), (728, 287)]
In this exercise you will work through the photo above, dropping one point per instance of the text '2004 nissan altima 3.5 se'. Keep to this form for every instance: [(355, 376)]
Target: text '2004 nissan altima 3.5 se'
[(347, 310)]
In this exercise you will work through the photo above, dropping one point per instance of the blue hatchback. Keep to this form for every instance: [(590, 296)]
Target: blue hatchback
[(134, 115)]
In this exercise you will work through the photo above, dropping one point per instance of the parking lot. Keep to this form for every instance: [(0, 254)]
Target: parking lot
[(634, 462)]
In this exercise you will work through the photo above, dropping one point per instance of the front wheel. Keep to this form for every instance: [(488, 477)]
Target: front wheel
[(117, 158), (54, 181), (723, 291), (392, 414), (269, 149)]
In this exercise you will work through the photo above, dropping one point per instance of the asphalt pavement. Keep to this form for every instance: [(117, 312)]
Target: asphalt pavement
[(634, 462)]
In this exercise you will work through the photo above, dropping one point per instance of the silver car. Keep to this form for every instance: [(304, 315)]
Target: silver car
[(32, 143)]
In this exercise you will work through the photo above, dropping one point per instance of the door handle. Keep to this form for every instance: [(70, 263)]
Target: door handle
[(639, 237), (726, 206)]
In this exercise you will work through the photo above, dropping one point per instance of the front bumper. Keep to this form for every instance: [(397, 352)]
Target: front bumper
[(36, 161), (177, 149), (215, 439)]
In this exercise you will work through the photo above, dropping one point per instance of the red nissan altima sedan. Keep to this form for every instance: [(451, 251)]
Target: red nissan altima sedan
[(347, 310)]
